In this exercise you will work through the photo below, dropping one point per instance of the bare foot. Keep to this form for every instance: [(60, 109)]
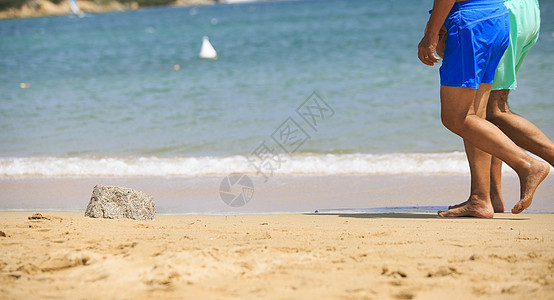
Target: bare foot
[(477, 209), (457, 205), (529, 183), (497, 204)]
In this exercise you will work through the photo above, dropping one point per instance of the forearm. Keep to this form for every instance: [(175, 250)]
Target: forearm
[(441, 8), (428, 44)]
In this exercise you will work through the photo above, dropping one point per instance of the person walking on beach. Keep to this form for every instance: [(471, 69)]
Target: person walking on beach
[(477, 34), (524, 32)]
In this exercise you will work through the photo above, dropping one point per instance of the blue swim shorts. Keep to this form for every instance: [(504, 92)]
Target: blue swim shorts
[(478, 35)]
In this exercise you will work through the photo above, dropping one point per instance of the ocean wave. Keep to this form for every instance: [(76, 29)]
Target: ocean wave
[(305, 164)]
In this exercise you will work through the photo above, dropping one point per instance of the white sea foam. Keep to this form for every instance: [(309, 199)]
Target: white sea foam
[(312, 164)]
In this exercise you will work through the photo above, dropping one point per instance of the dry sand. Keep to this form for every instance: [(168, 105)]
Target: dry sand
[(396, 256)]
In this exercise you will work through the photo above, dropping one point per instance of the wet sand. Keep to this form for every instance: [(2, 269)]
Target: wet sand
[(280, 194), (298, 256)]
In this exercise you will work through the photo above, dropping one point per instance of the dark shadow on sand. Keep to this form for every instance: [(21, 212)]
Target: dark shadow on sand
[(408, 216)]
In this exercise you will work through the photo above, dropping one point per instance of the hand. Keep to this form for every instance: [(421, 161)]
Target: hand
[(426, 48)]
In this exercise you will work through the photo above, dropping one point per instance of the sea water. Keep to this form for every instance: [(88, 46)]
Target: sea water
[(125, 93)]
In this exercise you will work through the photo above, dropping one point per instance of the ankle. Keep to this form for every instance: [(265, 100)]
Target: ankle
[(480, 199)]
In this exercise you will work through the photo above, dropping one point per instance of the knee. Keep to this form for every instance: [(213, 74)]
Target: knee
[(493, 115), (497, 106), (451, 123)]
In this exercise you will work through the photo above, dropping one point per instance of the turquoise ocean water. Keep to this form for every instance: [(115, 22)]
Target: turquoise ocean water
[(125, 93)]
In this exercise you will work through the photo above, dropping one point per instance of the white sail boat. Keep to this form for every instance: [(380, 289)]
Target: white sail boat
[(207, 50), (75, 10)]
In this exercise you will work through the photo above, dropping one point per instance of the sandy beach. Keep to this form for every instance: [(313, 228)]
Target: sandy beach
[(308, 256), (323, 105)]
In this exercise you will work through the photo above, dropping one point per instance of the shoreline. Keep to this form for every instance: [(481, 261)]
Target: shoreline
[(393, 256), (200, 194)]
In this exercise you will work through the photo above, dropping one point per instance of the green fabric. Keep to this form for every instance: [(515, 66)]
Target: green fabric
[(524, 32)]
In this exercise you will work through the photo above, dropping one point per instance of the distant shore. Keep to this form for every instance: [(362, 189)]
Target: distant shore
[(44, 8)]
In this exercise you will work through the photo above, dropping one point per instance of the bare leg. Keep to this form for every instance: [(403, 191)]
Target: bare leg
[(518, 129), (524, 133), (459, 116), (479, 202), (496, 185)]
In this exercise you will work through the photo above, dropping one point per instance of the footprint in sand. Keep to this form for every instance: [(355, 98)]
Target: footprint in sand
[(396, 273), (160, 275), (28, 268), (39, 216), (66, 260), (404, 295), (443, 271)]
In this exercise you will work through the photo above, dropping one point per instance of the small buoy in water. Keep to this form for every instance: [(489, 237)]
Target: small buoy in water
[(207, 50)]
